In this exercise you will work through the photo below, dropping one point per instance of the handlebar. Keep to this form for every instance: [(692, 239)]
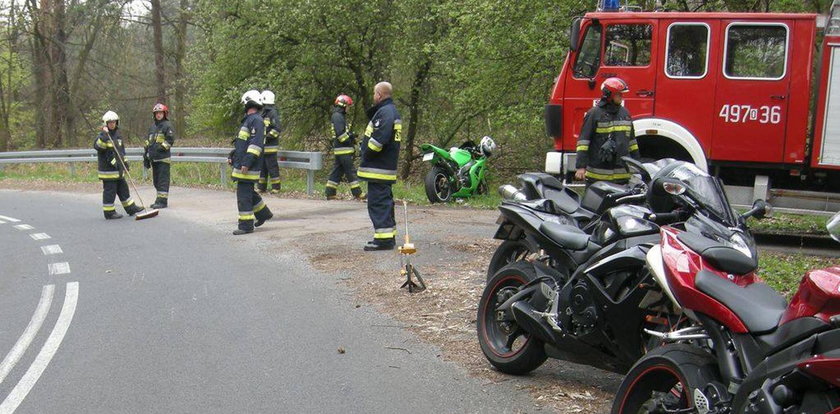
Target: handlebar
[(666, 217)]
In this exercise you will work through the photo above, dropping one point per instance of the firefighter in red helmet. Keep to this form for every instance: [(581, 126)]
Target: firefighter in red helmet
[(157, 155), (606, 136), (344, 149)]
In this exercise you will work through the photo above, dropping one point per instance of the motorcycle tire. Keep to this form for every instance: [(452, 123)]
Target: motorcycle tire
[(437, 185), (673, 375), (509, 252), (499, 340)]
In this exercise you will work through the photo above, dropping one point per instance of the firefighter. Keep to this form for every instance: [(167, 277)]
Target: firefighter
[(111, 170), (380, 151), (344, 149), (606, 136), (246, 160), (270, 171), (157, 154)]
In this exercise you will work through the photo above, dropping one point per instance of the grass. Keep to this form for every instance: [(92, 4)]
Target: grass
[(790, 223), (784, 271), (203, 175)]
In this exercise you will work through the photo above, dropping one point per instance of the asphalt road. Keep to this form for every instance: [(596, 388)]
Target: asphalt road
[(174, 315)]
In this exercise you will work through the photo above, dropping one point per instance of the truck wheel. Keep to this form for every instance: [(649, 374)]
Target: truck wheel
[(438, 189)]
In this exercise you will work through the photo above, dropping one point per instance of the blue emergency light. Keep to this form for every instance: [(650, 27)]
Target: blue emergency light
[(610, 5)]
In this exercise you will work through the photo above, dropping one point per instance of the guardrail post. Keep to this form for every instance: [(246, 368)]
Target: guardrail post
[(72, 169), (223, 174), (310, 182)]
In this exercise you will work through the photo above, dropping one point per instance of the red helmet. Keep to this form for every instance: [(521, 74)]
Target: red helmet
[(343, 101), (614, 85), (159, 107)]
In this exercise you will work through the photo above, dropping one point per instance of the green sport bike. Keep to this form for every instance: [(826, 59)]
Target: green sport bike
[(459, 172)]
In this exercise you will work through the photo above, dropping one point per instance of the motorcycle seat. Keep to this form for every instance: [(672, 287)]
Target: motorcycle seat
[(565, 236), (720, 256), (563, 200), (757, 305)]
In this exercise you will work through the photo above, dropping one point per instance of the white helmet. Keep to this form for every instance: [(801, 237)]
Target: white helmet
[(110, 116), (267, 97), (253, 96), (487, 146)]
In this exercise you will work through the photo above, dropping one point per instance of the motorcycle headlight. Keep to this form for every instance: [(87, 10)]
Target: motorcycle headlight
[(739, 243)]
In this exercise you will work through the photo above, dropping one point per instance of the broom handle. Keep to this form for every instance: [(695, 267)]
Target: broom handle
[(127, 174), (405, 210)]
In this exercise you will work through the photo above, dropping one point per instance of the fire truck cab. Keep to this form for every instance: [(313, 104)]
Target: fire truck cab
[(724, 90)]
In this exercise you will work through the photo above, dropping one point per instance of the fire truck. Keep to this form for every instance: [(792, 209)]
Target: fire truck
[(742, 95)]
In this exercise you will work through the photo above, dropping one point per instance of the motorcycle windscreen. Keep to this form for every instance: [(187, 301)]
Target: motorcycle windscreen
[(706, 189)]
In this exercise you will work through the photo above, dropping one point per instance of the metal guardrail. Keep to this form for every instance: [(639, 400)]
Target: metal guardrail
[(309, 161)]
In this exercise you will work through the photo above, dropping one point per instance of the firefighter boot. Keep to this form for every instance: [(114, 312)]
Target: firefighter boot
[(330, 192), (160, 202), (384, 244), (133, 209), (112, 215), (262, 216), (238, 232), (357, 193)]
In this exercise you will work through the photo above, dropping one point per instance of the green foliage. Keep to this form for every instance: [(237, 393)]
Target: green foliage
[(784, 271)]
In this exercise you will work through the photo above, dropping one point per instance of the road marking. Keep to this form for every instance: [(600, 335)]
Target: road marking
[(29, 333), (59, 268), (39, 236), (24, 227), (13, 400), (9, 219), (51, 249)]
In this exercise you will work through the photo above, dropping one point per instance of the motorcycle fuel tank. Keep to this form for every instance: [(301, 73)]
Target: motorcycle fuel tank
[(818, 295), (460, 156)]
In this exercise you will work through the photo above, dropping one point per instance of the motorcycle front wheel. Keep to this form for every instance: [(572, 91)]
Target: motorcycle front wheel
[(507, 346), (669, 379), (437, 185)]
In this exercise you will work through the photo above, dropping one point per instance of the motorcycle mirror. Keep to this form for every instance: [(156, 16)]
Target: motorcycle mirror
[(759, 210), (833, 226), (638, 167)]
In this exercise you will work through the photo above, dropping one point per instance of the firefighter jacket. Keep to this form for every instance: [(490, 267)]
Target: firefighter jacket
[(271, 121), (248, 148), (343, 141), (606, 136), (381, 143), (159, 141), (105, 144)]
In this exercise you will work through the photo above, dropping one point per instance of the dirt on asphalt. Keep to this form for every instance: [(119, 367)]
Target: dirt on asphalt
[(454, 248)]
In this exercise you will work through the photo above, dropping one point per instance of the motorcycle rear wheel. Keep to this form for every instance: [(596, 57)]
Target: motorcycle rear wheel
[(508, 252), (668, 379), (438, 189), (508, 347)]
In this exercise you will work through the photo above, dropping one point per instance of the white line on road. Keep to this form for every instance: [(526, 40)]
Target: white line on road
[(13, 220), (51, 249), (13, 400), (29, 333), (24, 227), (59, 268), (39, 236)]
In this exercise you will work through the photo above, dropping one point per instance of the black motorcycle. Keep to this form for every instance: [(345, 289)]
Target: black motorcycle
[(589, 298)]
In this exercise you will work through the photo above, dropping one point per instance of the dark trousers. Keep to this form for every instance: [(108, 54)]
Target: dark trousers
[(110, 190), (270, 172), (343, 168), (251, 205), (381, 210), (160, 178)]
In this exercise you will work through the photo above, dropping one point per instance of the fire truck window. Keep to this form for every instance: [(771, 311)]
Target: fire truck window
[(756, 52), (589, 57), (628, 45), (688, 47)]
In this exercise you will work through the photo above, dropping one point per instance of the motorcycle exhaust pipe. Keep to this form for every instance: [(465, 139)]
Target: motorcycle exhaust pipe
[(509, 192), (532, 322)]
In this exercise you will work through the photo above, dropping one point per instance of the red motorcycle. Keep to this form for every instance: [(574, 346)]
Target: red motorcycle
[(738, 346)]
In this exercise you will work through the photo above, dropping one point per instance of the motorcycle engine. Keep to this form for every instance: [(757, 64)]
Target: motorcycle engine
[(580, 313)]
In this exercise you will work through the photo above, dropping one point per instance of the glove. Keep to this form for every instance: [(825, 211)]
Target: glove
[(230, 157), (352, 135), (147, 163)]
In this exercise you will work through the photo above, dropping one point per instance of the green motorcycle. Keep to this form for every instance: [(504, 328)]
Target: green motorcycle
[(459, 172)]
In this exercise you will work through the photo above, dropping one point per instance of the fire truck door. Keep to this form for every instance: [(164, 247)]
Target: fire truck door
[(611, 49), (752, 94)]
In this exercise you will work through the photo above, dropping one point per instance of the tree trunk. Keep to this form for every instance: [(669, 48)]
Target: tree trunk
[(40, 59), (158, 39), (417, 86), (180, 82), (64, 132)]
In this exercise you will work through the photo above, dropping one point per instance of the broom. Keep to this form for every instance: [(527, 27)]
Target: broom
[(147, 213)]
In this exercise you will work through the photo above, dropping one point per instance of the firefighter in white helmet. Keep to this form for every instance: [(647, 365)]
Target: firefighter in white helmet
[(246, 160), (270, 171), (111, 171)]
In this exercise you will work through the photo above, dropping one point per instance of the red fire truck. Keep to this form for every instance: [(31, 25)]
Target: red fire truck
[(729, 91)]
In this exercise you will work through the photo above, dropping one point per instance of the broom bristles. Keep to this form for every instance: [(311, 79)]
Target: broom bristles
[(146, 214)]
